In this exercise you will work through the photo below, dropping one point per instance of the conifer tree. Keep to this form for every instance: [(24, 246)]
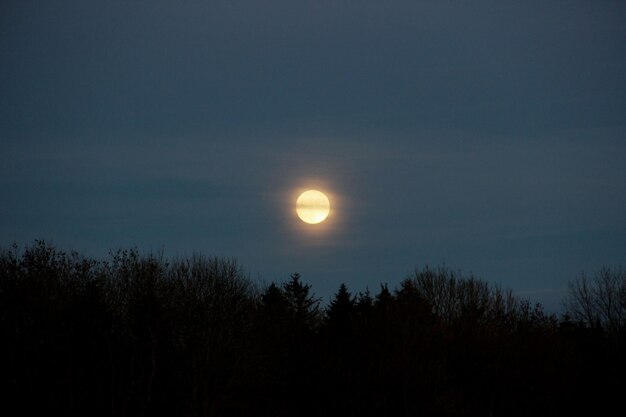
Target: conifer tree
[(384, 297), (304, 307), (274, 302), (341, 307)]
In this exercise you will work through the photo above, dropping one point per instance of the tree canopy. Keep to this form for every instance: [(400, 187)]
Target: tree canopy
[(139, 334)]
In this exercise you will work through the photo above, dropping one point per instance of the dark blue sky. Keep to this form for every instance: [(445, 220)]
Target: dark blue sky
[(488, 136)]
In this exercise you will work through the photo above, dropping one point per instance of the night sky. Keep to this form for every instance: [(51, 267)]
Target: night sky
[(486, 136)]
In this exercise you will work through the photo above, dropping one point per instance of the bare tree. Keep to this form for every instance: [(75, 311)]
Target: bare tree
[(600, 300), (452, 295)]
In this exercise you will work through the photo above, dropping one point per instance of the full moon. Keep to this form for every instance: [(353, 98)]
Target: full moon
[(312, 206)]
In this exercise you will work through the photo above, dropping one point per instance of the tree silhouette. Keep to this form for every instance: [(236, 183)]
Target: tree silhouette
[(341, 307), (140, 335), (304, 307), (364, 303), (600, 300), (384, 297)]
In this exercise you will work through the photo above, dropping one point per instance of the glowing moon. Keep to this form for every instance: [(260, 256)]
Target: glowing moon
[(312, 206)]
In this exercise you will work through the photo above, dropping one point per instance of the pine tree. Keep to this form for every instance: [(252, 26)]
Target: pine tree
[(274, 303), (364, 302), (384, 297), (304, 307), (341, 307)]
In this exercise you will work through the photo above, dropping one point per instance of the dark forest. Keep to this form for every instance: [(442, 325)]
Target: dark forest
[(142, 335)]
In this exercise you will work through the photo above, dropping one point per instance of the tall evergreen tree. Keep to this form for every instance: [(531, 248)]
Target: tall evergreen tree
[(341, 307), (274, 303), (304, 307), (364, 301), (384, 297)]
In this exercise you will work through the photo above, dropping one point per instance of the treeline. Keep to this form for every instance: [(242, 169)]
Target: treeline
[(139, 335)]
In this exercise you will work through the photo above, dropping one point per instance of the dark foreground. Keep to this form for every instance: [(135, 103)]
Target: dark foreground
[(141, 336)]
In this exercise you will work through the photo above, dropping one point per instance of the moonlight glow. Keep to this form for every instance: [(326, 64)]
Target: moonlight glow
[(312, 206)]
